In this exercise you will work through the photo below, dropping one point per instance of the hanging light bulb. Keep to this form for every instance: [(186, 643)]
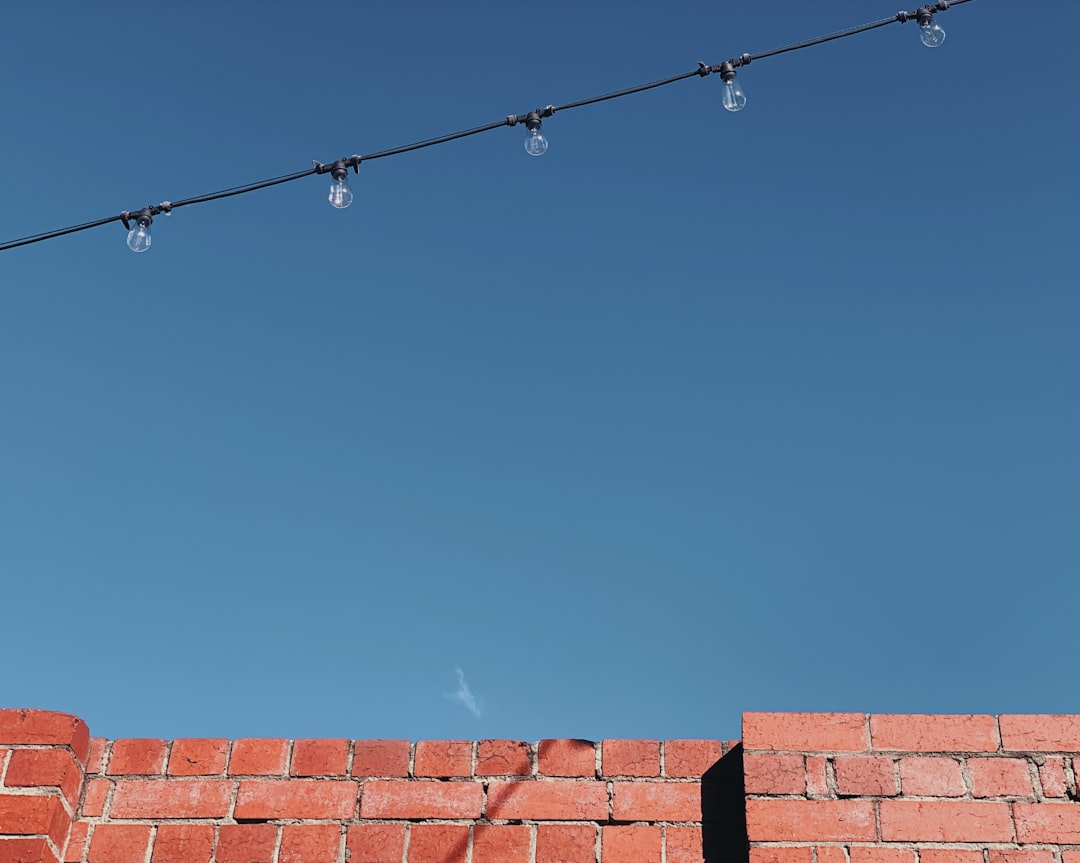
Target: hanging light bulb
[(930, 31), (138, 238), (732, 96), (340, 194), (535, 143)]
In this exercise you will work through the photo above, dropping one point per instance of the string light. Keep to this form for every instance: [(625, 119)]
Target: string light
[(340, 196)]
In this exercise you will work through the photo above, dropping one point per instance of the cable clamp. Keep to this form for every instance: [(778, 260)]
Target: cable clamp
[(703, 69), (512, 119), (165, 207)]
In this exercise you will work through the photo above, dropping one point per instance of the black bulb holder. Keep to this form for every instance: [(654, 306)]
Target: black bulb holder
[(924, 14), (339, 170)]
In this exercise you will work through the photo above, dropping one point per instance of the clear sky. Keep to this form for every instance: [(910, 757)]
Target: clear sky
[(698, 413)]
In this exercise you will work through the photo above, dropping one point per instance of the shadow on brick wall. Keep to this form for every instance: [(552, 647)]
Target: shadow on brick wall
[(723, 811)]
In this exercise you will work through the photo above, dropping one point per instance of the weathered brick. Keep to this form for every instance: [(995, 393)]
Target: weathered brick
[(95, 760), (566, 758), (97, 791), (25, 851), (656, 801), (119, 843), (690, 758), (810, 820), (296, 798), (942, 733), (438, 843), (566, 843), (309, 843), (154, 798), (183, 843), (683, 845), (880, 854), (320, 758), (76, 844), (1040, 733), (632, 844), (443, 758), (33, 814), (402, 798), (817, 776), (865, 776), (501, 843), (46, 768), (375, 843), (258, 757), (137, 757), (503, 758), (45, 728), (1050, 823), (945, 821), (929, 776), (381, 758), (805, 732), (1052, 777), (200, 756), (246, 843), (1000, 777), (950, 855), (551, 800), (1021, 855), (781, 854), (771, 773), (630, 758)]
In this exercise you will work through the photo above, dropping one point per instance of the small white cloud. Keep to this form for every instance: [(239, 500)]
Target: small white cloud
[(464, 696)]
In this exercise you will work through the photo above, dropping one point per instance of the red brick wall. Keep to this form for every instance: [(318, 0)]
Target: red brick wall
[(802, 788)]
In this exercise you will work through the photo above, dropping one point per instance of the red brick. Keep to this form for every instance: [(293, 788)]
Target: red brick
[(805, 732), (45, 728), (443, 758), (630, 758), (25, 851), (501, 843), (1021, 855), (381, 758), (865, 776), (95, 761), (690, 758), (1040, 733), (880, 854), (810, 820), (1052, 778), (1000, 777), (154, 798), (375, 843), (552, 800), (768, 773), (28, 768), (683, 845), (137, 757), (258, 757), (830, 854), (1070, 857), (198, 757), (314, 799), (942, 733), (503, 758), (566, 758), (320, 758), (310, 843), (183, 843), (657, 801), (403, 798), (817, 776), (438, 843), (119, 843), (637, 844), (33, 814), (76, 844), (781, 854), (949, 855), (1050, 823), (246, 843), (945, 821), (927, 776), (566, 843), (97, 791)]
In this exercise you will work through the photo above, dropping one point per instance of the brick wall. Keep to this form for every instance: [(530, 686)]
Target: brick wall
[(801, 788)]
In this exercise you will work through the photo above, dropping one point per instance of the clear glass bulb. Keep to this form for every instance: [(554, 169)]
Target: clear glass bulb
[(535, 143), (931, 32), (732, 96), (138, 238), (340, 194)]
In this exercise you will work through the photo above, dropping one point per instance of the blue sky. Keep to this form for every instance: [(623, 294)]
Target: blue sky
[(698, 413)]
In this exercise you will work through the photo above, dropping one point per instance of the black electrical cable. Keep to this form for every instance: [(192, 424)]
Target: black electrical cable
[(511, 120)]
